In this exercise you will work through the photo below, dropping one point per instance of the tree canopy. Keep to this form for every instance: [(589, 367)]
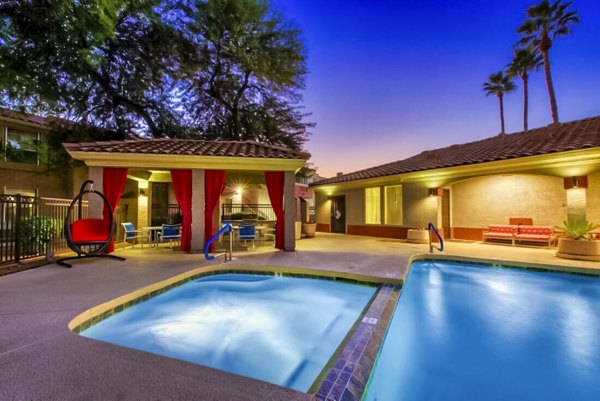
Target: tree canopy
[(213, 69)]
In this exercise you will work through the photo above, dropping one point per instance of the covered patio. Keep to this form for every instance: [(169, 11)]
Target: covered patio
[(196, 184)]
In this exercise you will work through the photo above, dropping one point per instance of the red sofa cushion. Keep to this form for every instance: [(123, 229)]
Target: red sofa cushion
[(536, 230), (89, 230), (500, 228)]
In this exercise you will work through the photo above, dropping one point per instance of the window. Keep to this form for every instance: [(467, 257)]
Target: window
[(372, 205), (21, 147), (393, 205)]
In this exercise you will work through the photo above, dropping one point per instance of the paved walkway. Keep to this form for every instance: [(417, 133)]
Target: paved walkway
[(41, 359)]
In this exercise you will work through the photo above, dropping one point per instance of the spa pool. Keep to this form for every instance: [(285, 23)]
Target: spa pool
[(473, 332), (281, 330)]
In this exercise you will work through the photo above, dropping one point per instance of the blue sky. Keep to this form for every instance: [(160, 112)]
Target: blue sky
[(388, 79)]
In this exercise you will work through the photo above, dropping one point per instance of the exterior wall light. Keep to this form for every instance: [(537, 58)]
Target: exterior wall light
[(576, 182), (435, 191)]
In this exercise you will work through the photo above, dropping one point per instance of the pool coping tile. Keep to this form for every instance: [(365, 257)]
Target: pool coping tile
[(356, 360)]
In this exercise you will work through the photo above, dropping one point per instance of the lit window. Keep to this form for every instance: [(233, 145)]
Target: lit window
[(393, 205), (372, 205), (21, 147)]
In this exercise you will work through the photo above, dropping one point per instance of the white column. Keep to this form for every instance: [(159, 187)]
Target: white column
[(198, 210), (95, 203), (289, 207)]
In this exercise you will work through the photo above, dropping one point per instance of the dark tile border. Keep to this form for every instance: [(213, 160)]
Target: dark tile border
[(348, 377), (120, 308)]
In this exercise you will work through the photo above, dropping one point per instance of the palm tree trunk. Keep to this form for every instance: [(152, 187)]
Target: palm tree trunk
[(525, 100), (553, 106), (501, 114)]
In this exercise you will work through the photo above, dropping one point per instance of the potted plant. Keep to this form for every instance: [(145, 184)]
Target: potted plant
[(578, 242), (309, 229)]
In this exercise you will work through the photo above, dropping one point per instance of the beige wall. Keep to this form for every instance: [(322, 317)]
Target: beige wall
[(355, 206), (418, 208), (482, 201), (322, 208), (593, 198), (13, 175)]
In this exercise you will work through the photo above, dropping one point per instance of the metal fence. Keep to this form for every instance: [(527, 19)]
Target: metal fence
[(32, 226), (165, 214), (245, 211)]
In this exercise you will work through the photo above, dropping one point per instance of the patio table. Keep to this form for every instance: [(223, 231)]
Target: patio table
[(152, 234)]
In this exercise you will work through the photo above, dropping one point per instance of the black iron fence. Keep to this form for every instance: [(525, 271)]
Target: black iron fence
[(165, 214), (245, 211), (32, 226)]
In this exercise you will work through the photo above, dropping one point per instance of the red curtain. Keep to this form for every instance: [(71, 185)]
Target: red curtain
[(274, 180), (182, 185), (113, 182), (214, 182)]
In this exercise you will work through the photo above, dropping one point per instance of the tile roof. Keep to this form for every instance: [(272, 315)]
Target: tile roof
[(164, 146), (29, 118), (564, 137)]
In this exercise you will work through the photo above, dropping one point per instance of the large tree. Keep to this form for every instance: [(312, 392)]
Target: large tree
[(545, 22), (101, 62), (525, 60), (216, 69), (250, 67), (499, 84)]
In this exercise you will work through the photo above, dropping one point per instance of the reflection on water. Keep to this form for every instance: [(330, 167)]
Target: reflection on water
[(471, 332), (282, 330)]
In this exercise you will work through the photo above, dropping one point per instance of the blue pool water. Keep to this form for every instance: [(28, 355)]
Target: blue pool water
[(279, 329), (472, 332)]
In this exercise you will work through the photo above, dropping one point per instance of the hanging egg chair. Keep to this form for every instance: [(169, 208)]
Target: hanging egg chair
[(88, 237)]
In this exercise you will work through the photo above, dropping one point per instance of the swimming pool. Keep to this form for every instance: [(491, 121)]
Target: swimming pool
[(472, 332), (281, 330)]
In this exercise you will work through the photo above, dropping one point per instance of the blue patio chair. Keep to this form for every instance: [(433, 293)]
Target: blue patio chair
[(130, 233), (169, 232), (248, 232)]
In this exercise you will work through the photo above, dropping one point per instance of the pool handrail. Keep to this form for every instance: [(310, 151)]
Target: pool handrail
[(431, 227), (226, 228)]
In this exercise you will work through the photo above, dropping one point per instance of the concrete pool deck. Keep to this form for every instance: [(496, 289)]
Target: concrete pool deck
[(42, 360)]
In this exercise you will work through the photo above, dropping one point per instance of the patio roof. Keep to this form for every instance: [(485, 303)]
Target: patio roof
[(553, 139), (182, 153)]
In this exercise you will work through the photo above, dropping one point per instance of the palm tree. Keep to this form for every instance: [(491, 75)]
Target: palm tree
[(526, 59), (498, 84), (545, 22)]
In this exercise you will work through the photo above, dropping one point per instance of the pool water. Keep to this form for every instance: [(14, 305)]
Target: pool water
[(473, 332), (278, 329)]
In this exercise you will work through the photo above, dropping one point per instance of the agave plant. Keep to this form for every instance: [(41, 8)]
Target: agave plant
[(577, 228)]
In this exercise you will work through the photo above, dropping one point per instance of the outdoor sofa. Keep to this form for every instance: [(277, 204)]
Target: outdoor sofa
[(520, 233)]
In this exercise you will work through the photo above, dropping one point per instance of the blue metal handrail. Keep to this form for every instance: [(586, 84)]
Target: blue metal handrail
[(437, 234), (223, 230)]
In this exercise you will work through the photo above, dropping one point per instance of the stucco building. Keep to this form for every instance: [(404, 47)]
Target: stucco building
[(544, 175), (23, 157)]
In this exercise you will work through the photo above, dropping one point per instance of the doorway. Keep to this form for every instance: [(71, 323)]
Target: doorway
[(159, 213), (338, 214)]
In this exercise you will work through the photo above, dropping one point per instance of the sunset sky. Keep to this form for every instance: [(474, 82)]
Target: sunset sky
[(388, 79)]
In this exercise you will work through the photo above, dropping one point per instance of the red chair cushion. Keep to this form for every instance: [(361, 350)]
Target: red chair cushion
[(89, 230)]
